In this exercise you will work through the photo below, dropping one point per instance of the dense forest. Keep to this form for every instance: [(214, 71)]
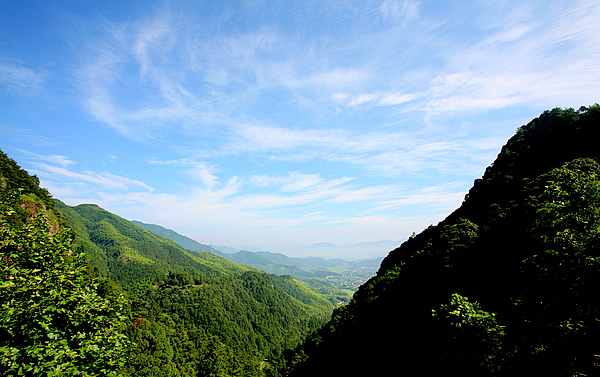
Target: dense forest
[(505, 285), (85, 292), (334, 279)]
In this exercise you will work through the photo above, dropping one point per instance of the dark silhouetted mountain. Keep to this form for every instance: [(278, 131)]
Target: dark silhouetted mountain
[(504, 286)]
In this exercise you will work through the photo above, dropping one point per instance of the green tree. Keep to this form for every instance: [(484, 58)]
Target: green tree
[(52, 319), (559, 301), (473, 337)]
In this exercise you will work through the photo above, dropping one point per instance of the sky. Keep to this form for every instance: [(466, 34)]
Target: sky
[(281, 124)]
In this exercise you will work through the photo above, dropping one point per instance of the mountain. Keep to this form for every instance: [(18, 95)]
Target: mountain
[(183, 241), (225, 249), (195, 295), (334, 279), (134, 256), (266, 260), (86, 292), (505, 285), (357, 251)]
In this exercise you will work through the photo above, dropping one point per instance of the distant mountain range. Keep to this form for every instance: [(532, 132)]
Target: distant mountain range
[(363, 250), (183, 241), (334, 279), (280, 264), (357, 251)]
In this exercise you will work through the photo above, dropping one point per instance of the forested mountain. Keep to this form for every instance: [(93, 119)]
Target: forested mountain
[(506, 285), (276, 263), (85, 292), (205, 298), (135, 257), (183, 241), (335, 279)]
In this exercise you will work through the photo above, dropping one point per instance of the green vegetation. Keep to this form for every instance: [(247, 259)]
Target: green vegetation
[(183, 241), (191, 309), (335, 279), (506, 285), (134, 257), (523, 247), (54, 319), (85, 292)]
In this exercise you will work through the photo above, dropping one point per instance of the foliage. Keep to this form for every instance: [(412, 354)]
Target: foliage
[(313, 271), (473, 338), (53, 319), (145, 308), (135, 257), (195, 313), (524, 245)]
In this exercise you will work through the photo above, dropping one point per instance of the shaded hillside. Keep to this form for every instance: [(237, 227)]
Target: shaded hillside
[(506, 285), (233, 326)]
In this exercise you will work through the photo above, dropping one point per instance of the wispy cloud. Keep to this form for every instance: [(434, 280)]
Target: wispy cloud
[(53, 159), (317, 115), (60, 174), (291, 182), (378, 98), (387, 153), (445, 197), (400, 10), (100, 181), (20, 80), (198, 170)]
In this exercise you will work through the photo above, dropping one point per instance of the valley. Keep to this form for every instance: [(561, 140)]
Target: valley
[(334, 279), (86, 292)]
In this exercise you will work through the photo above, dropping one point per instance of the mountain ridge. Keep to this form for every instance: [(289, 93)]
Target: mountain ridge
[(315, 272), (495, 288)]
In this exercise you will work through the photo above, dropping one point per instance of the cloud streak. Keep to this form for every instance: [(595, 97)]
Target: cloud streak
[(19, 80), (313, 115)]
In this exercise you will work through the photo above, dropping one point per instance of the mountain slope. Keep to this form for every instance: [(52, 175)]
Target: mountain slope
[(288, 284), (134, 256), (183, 241), (313, 271), (505, 285), (196, 312)]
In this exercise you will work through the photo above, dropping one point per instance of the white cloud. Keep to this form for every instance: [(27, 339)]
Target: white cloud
[(524, 62), (59, 173), (388, 91), (362, 98), (20, 80), (292, 182), (54, 159), (339, 78), (447, 196), (381, 99), (396, 99), (386, 153), (198, 170), (400, 10), (103, 180)]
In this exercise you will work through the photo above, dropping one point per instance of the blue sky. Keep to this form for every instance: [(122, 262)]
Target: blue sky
[(280, 124)]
